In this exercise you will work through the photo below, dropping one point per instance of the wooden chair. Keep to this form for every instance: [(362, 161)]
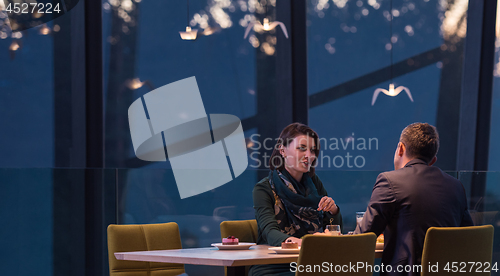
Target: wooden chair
[(125, 238), (446, 245), (337, 251), (244, 230)]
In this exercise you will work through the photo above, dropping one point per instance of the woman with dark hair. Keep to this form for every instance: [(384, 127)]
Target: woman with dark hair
[(292, 202)]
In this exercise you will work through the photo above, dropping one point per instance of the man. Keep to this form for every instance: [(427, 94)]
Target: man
[(415, 196)]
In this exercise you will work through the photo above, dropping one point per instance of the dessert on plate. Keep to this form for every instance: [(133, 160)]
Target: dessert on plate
[(380, 238), (380, 242), (231, 240), (289, 244)]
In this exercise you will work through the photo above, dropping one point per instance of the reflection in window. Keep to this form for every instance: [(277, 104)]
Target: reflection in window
[(349, 56), (494, 157), (27, 93), (142, 45)]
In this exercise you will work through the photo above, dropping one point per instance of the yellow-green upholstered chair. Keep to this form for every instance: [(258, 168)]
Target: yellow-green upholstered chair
[(125, 238), (336, 251), (244, 230), (445, 245)]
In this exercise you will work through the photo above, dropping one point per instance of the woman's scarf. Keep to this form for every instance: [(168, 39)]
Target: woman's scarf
[(296, 204)]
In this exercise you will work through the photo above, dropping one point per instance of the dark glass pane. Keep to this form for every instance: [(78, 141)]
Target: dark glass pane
[(485, 210), (142, 43), (494, 158), (151, 196), (26, 97), (350, 55)]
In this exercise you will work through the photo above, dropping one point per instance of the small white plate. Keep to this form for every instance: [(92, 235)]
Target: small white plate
[(240, 246), (280, 250)]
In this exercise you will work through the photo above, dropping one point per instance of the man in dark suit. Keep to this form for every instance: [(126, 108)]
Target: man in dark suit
[(415, 196)]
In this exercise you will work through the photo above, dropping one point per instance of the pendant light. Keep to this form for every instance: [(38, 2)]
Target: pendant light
[(266, 25), (189, 34), (392, 91)]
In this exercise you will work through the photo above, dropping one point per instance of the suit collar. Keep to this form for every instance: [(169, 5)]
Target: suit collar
[(414, 162)]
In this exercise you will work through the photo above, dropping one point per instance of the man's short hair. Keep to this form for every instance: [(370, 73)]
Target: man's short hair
[(421, 141)]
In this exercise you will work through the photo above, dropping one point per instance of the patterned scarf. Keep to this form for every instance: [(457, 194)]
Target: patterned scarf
[(296, 204)]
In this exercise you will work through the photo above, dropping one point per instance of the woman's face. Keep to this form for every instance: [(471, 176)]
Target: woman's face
[(299, 154)]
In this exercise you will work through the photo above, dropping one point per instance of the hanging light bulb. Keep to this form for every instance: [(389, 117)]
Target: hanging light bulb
[(189, 34), (209, 31), (392, 92), (14, 46), (134, 84), (44, 30), (266, 26)]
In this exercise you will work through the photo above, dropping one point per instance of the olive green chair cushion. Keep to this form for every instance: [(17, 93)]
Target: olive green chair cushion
[(445, 245), (125, 238), (336, 251), (244, 230)]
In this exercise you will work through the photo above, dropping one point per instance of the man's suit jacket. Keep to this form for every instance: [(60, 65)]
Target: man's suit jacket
[(405, 203)]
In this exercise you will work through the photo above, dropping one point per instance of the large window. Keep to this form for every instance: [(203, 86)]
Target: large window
[(350, 55), (51, 114), (142, 43)]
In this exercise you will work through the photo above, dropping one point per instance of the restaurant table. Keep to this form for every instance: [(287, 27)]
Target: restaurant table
[(234, 260)]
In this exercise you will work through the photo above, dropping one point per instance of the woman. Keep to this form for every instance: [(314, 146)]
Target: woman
[(292, 202)]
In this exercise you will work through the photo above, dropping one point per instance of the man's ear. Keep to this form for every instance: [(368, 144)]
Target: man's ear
[(401, 149), (433, 161)]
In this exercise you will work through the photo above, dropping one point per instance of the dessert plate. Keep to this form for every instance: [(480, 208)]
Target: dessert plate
[(240, 246), (280, 250)]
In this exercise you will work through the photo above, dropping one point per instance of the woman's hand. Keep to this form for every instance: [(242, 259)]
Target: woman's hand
[(328, 204), (294, 239)]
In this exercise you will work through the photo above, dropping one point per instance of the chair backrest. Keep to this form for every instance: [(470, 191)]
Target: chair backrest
[(125, 238), (337, 252), (446, 245), (244, 230)]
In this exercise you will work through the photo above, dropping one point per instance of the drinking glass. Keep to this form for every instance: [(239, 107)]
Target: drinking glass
[(359, 217), (334, 230)]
